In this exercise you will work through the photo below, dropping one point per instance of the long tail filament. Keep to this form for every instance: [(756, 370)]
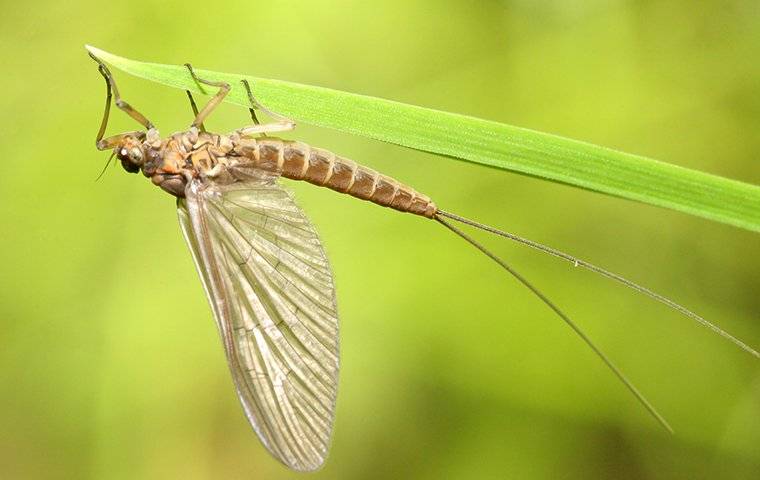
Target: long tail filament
[(439, 217)]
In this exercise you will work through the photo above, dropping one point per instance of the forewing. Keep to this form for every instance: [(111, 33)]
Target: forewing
[(271, 289)]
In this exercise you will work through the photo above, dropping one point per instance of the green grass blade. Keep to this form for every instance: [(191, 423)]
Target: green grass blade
[(485, 142)]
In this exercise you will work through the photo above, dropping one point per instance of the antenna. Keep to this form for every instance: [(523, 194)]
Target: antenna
[(106, 166)]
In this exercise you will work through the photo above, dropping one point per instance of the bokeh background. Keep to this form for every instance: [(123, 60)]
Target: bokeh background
[(110, 365)]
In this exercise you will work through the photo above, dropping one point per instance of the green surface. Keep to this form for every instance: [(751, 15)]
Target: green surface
[(485, 142), (110, 365)]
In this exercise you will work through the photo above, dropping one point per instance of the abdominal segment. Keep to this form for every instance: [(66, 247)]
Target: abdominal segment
[(300, 161)]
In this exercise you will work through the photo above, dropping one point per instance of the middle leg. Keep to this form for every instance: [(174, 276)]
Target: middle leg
[(224, 89), (195, 109)]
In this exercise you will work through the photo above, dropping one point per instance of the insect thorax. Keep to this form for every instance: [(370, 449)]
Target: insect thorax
[(171, 162)]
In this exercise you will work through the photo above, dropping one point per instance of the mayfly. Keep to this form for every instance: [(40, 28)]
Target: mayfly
[(264, 270)]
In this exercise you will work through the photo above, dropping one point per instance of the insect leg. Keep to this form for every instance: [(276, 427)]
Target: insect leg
[(107, 111), (195, 109), (283, 124), (111, 142), (257, 105), (124, 106), (252, 101), (224, 89)]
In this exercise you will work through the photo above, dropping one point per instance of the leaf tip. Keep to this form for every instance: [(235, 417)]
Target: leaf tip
[(108, 57)]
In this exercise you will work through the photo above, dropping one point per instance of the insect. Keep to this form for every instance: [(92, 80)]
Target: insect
[(264, 270)]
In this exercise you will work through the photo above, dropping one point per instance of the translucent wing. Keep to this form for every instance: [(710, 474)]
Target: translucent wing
[(271, 290)]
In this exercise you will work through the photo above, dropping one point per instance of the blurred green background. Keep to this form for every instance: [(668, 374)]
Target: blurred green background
[(110, 365)]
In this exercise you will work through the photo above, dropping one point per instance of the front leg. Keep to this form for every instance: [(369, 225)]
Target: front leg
[(112, 141)]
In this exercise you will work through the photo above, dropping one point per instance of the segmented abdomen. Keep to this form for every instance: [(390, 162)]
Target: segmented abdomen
[(299, 161)]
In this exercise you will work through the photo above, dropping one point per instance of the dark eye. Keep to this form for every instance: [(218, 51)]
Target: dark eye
[(130, 158), (129, 166)]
